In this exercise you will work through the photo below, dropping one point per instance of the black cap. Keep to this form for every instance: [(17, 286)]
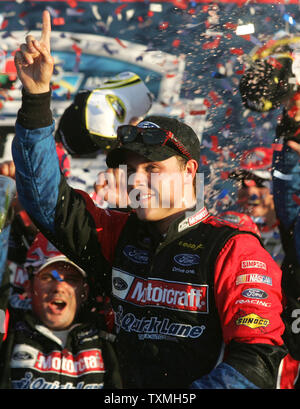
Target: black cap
[(183, 132)]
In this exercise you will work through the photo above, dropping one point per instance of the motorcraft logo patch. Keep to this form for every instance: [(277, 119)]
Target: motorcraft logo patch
[(253, 321), (194, 219), (67, 364), (198, 217), (161, 293), (253, 278), (87, 361)]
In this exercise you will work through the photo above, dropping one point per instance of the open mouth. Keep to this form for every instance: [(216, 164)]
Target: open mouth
[(142, 197), (58, 305)]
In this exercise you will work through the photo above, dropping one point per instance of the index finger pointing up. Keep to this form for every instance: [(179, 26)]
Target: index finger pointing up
[(46, 29)]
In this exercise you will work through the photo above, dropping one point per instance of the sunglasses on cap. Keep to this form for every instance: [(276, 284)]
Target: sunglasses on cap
[(150, 136)]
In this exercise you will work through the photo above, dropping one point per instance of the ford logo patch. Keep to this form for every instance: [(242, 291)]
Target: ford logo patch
[(136, 255), (187, 259), (256, 293), (119, 284)]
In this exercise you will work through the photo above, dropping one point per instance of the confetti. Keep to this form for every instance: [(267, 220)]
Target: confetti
[(212, 44), (58, 21), (56, 275), (120, 43)]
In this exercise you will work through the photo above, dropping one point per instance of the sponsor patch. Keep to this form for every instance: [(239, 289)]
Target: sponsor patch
[(136, 255), (186, 260), (198, 217), (253, 278), (253, 264), (255, 293), (155, 328), (253, 321), (191, 246), (25, 356), (156, 292), (68, 364), (192, 220), (260, 303)]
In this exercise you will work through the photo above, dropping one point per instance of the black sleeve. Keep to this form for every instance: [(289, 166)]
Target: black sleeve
[(288, 128), (35, 110), (259, 363)]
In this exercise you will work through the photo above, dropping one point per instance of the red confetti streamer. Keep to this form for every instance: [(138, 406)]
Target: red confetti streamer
[(215, 144), (120, 43), (207, 103), (120, 8), (224, 175), (228, 112), (58, 21), (240, 72), (212, 44), (4, 25), (296, 199), (194, 112), (246, 37), (181, 4), (275, 63), (215, 97), (77, 49), (164, 25), (72, 3), (204, 160), (237, 51), (230, 26)]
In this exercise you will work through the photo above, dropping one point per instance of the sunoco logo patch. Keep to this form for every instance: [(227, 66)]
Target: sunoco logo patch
[(253, 321)]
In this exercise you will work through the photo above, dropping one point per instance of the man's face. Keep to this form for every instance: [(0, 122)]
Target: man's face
[(57, 292), (255, 201), (155, 188)]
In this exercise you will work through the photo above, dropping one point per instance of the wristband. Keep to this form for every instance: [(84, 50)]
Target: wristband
[(35, 111)]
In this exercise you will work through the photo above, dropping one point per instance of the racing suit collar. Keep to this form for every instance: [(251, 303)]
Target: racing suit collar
[(178, 227)]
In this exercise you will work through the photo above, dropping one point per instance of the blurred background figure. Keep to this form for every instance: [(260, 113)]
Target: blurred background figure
[(255, 198), (57, 342)]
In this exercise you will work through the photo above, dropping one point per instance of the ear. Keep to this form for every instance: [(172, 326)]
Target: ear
[(190, 170), (28, 288)]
